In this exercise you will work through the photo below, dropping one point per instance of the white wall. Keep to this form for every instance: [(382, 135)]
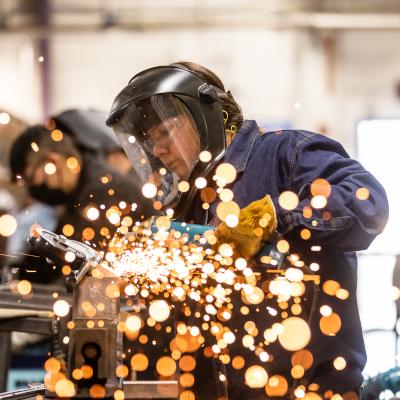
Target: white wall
[(267, 71), (19, 79), (256, 65), (369, 72)]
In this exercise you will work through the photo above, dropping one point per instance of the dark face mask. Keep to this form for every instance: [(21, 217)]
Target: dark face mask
[(53, 197)]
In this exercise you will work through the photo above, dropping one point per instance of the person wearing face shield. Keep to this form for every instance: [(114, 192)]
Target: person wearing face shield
[(165, 119)]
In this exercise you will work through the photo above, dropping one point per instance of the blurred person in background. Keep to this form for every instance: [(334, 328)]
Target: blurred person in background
[(182, 119), (60, 172), (12, 197)]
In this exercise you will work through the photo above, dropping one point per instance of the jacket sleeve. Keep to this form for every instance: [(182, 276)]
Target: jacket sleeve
[(346, 222)]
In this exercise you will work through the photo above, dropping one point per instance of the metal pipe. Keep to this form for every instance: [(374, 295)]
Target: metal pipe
[(23, 393)]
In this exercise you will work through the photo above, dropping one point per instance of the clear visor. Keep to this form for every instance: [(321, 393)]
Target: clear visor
[(160, 137)]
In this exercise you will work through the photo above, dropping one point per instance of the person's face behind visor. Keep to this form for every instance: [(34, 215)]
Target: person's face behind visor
[(175, 142), (160, 137)]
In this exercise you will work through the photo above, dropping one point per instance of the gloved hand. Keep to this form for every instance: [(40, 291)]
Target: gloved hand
[(257, 224)]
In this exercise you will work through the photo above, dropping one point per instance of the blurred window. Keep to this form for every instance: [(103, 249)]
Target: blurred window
[(378, 150)]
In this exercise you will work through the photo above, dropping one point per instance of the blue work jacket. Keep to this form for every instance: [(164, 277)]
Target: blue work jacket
[(290, 160)]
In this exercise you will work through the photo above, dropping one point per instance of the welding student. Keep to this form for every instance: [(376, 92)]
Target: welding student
[(59, 173), (166, 116)]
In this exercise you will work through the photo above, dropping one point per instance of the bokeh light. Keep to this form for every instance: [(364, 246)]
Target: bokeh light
[(339, 363), (296, 334), (321, 187), (319, 202), (149, 190), (256, 376), (50, 168), (288, 200), (362, 194), (97, 391), (183, 186), (56, 135), (139, 362), (92, 213), (226, 172), (205, 156), (331, 324), (277, 386), (166, 366), (61, 308), (65, 388), (225, 209), (8, 225), (68, 230), (24, 287), (159, 310), (133, 323), (4, 118), (200, 183)]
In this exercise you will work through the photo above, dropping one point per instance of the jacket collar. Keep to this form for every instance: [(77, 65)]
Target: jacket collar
[(238, 152)]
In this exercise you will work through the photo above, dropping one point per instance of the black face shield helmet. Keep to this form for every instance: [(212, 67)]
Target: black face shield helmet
[(164, 119)]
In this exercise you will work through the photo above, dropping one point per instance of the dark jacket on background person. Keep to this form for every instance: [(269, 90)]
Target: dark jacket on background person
[(274, 162), (90, 192)]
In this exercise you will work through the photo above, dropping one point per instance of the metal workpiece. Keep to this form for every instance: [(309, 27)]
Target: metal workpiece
[(99, 346), (41, 326), (27, 393), (150, 389), (94, 337), (39, 300), (132, 390), (94, 290)]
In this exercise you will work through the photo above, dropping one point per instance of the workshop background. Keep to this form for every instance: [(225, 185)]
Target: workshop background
[(330, 66)]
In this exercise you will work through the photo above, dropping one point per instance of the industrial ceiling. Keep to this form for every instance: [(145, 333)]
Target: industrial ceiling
[(75, 15)]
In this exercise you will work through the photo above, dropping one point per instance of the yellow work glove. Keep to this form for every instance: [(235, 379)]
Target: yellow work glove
[(257, 224)]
